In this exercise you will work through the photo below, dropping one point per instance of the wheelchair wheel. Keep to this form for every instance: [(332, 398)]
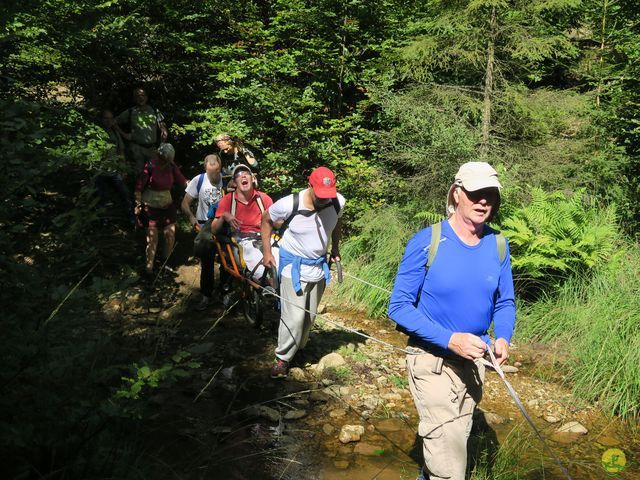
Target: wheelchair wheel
[(252, 306)]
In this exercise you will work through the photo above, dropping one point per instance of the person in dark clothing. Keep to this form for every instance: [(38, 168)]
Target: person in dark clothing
[(110, 175)]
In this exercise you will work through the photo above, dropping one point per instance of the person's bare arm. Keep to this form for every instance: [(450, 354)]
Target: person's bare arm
[(185, 206), (266, 229), (501, 350)]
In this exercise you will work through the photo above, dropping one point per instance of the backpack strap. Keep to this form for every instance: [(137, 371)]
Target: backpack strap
[(294, 212), (336, 205), (436, 232), (501, 243), (260, 203), (200, 181), (234, 204)]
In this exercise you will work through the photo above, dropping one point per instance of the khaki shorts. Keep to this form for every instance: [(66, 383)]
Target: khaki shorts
[(445, 402)]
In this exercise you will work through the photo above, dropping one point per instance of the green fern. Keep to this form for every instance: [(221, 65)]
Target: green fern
[(555, 236)]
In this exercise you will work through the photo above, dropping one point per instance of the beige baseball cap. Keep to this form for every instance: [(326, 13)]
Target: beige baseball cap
[(472, 176)]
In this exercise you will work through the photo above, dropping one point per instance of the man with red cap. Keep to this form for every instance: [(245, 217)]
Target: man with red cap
[(311, 219)]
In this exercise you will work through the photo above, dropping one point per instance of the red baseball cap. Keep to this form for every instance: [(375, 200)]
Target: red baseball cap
[(323, 182)]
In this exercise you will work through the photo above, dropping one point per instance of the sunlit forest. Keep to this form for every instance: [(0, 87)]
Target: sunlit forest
[(393, 96)]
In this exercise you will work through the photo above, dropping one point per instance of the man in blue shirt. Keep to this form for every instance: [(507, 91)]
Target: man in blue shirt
[(446, 308)]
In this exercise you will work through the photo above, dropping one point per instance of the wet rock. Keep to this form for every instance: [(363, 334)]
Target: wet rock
[(494, 418), (202, 348), (332, 360), (344, 391), (295, 414), (264, 411), (573, 427), (368, 450), (155, 309), (565, 437), (351, 433), (607, 441), (297, 374), (328, 429), (551, 418), (341, 464), (509, 369), (332, 390), (370, 402), (517, 364), (229, 372), (302, 403), (337, 413), (319, 396), (390, 425)]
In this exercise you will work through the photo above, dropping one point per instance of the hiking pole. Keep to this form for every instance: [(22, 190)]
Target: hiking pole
[(494, 364), (339, 270)]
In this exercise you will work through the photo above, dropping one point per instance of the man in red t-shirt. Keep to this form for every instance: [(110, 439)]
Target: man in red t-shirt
[(242, 211)]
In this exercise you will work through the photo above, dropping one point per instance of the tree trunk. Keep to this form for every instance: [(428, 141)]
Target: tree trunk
[(605, 4), (488, 86)]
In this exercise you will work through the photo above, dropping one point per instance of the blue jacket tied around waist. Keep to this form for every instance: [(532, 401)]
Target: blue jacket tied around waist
[(287, 258)]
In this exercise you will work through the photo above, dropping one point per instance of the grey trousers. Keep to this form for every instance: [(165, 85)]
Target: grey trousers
[(445, 402), (296, 323)]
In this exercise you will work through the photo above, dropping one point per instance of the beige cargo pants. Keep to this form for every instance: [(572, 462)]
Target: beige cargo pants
[(445, 393)]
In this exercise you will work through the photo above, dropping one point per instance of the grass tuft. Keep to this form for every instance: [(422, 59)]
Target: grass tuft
[(598, 322)]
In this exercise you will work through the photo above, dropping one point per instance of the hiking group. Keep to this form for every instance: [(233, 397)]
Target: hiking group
[(453, 283)]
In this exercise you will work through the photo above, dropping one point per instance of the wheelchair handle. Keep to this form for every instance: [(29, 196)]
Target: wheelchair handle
[(274, 275)]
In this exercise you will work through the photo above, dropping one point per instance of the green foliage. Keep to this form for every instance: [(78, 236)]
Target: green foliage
[(373, 255), (146, 377), (398, 381), (591, 318), (555, 236), (511, 460)]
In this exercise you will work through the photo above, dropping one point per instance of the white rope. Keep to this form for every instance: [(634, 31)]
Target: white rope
[(493, 364)]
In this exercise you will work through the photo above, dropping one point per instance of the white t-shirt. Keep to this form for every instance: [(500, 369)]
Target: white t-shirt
[(306, 236), (209, 194)]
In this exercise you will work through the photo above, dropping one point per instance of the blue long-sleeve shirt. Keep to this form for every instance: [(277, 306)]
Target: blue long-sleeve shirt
[(464, 290)]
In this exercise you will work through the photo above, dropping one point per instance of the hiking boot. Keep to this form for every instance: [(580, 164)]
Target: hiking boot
[(280, 368), (203, 303)]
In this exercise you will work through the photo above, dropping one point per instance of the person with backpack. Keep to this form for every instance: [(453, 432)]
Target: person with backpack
[(154, 204), (312, 219), (207, 188), (453, 282), (241, 210), (146, 129), (233, 152)]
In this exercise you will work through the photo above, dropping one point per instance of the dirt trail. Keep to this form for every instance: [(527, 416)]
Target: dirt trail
[(229, 420)]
